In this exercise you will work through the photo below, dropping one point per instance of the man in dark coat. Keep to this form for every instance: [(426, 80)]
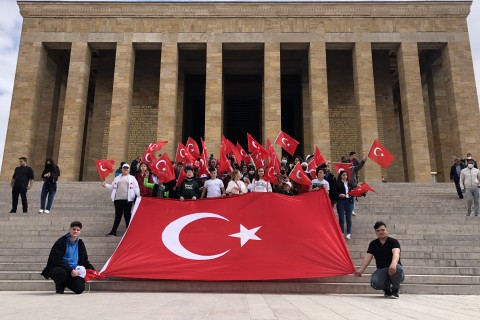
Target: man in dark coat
[(455, 170), (67, 254), (22, 181)]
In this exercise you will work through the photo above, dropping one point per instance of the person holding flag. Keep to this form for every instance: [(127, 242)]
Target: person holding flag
[(124, 190), (340, 192)]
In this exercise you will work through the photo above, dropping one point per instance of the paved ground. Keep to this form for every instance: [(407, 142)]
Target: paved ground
[(188, 306)]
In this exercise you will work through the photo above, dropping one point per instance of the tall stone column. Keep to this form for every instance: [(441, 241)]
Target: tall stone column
[(317, 122), (71, 141), (462, 101), (272, 108), (413, 114), (365, 101), (22, 125), (121, 103), (214, 98), (167, 104)]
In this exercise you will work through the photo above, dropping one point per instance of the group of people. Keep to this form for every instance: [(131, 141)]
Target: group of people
[(22, 181), (135, 179), (68, 258)]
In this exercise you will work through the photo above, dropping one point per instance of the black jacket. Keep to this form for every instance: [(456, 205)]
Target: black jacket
[(339, 188), (453, 172), (56, 257)]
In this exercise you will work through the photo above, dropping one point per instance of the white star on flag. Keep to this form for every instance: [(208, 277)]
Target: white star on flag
[(246, 234)]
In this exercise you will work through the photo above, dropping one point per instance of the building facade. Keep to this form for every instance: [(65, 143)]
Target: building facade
[(102, 80)]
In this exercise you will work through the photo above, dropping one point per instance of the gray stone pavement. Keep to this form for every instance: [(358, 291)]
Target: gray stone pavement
[(207, 306)]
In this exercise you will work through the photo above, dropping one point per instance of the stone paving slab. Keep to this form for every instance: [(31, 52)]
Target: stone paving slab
[(203, 306)]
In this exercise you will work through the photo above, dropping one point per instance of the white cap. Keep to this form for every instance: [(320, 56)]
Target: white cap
[(288, 183), (125, 165)]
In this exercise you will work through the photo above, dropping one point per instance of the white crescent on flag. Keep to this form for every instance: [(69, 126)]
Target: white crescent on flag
[(101, 167), (156, 165), (375, 152), (285, 143), (147, 159), (171, 236), (297, 174), (254, 145)]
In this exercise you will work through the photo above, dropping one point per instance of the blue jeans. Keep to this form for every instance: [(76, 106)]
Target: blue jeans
[(344, 210), (50, 189)]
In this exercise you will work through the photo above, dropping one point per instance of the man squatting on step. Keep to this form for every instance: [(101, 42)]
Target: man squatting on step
[(389, 273), (67, 255)]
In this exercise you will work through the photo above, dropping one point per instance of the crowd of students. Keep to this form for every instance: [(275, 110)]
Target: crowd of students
[(247, 178)]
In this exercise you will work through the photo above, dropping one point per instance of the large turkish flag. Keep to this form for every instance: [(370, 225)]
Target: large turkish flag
[(257, 236)]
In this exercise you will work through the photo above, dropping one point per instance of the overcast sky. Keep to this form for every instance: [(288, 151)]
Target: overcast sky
[(10, 27)]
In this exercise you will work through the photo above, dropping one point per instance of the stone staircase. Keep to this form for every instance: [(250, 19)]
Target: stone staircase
[(439, 243)]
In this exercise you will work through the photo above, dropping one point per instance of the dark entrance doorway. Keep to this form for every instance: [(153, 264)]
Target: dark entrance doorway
[(242, 92)]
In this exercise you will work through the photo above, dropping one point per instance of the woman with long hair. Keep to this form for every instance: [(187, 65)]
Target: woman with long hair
[(341, 191), (236, 185), (50, 175), (259, 184), (140, 176)]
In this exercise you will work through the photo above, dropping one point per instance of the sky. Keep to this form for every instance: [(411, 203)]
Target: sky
[(10, 28)]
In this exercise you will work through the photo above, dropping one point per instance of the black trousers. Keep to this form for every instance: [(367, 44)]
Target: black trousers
[(22, 191), (122, 208), (63, 280), (459, 190)]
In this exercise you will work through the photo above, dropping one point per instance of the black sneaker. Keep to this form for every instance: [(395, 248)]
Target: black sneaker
[(387, 293), (13, 211), (59, 289), (110, 235), (394, 294)]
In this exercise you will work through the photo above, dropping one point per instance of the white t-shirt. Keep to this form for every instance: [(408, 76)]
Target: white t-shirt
[(260, 186), (324, 183), (214, 187)]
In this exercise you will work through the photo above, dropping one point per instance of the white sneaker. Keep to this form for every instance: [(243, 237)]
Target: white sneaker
[(348, 236), (46, 211), (40, 211), (353, 213)]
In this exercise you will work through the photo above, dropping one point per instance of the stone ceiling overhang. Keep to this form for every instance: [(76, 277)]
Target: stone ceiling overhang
[(371, 9)]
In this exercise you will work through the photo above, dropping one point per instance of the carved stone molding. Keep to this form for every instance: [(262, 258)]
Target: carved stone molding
[(246, 9)]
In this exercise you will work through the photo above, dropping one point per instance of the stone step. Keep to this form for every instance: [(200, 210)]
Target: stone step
[(238, 286)]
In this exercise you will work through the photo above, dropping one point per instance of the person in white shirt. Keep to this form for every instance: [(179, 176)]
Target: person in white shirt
[(320, 181), (124, 190), (236, 185), (213, 187), (259, 184)]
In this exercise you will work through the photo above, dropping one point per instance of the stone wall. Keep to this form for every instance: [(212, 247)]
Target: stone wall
[(142, 130)]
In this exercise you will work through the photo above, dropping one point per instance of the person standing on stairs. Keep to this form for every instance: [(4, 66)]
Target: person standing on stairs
[(124, 190), (469, 183), (50, 175), (386, 250), (22, 181)]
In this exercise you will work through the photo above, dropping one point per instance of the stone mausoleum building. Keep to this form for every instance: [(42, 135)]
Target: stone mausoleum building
[(101, 80)]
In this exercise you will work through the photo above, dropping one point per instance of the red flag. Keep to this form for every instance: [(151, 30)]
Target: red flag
[(224, 164), (312, 169), (149, 158), (203, 167), (380, 154), (345, 166), (287, 143), (91, 275), (231, 239), (183, 155), (181, 177), (299, 176), (254, 145), (274, 161), (163, 168), (233, 151), (360, 190), (243, 153), (155, 146), (104, 168), (319, 159), (270, 175), (192, 147), (257, 159)]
